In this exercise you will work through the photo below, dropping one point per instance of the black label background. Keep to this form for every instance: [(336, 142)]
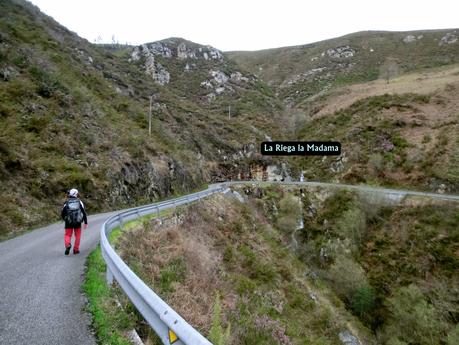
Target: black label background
[(300, 153)]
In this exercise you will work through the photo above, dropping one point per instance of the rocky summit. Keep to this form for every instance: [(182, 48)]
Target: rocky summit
[(179, 62), (172, 49)]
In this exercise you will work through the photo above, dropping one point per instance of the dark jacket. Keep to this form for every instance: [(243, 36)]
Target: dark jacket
[(64, 213)]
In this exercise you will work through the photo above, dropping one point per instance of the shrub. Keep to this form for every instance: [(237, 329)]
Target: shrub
[(363, 301), (217, 335), (347, 277), (352, 225), (290, 205), (36, 124), (395, 341), (244, 285), (228, 254), (399, 142), (287, 223), (413, 320), (47, 83), (290, 212), (376, 161), (173, 272), (453, 336)]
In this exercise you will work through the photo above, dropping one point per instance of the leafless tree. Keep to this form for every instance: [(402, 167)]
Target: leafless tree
[(389, 69)]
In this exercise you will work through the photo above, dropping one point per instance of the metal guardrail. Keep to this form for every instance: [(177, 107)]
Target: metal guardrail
[(156, 312), (362, 188)]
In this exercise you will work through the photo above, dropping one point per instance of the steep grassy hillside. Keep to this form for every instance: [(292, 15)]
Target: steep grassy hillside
[(408, 140), (302, 71), (391, 263), (306, 266), (73, 114), (224, 268), (390, 98)]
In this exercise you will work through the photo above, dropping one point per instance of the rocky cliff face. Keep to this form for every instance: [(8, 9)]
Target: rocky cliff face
[(180, 63), (177, 48)]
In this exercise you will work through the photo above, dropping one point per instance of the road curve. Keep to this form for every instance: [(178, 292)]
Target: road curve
[(40, 298)]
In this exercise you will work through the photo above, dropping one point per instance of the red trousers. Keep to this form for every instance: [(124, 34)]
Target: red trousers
[(68, 237)]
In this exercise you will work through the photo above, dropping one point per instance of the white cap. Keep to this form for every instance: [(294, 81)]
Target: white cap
[(73, 192)]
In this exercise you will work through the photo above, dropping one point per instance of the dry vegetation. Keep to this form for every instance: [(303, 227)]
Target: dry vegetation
[(437, 81), (223, 247), (361, 264), (405, 140)]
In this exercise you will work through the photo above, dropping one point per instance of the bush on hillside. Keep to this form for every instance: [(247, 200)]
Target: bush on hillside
[(410, 311), (346, 277)]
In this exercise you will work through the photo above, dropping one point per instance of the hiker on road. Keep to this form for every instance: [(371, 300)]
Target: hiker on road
[(73, 213)]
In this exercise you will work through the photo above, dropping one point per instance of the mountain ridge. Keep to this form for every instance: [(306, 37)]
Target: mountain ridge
[(356, 33)]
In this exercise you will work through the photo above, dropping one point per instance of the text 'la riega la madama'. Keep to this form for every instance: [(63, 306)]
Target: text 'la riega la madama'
[(301, 148)]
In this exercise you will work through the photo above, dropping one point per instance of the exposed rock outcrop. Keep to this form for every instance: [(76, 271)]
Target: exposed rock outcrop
[(221, 82), (449, 38), (148, 180), (308, 75), (410, 39), (348, 339), (174, 48), (177, 48), (152, 68), (341, 52)]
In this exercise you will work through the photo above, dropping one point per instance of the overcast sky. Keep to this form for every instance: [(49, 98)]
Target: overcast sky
[(245, 24)]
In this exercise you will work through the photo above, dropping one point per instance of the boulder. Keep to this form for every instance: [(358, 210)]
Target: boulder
[(348, 339), (409, 39), (449, 38), (184, 53), (341, 52), (219, 77)]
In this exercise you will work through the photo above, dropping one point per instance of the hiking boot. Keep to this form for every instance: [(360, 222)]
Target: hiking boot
[(67, 250), (76, 252)]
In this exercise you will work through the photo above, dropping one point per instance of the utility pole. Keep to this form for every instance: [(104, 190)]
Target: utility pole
[(149, 117)]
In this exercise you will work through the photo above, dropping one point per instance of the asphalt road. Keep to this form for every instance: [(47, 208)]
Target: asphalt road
[(40, 297)]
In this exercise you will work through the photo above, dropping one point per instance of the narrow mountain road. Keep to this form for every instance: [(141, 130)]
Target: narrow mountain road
[(392, 193), (40, 298)]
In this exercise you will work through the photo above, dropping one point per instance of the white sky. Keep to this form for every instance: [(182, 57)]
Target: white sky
[(245, 24)]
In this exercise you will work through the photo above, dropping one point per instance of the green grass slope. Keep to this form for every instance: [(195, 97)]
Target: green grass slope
[(73, 114), (406, 140), (299, 72)]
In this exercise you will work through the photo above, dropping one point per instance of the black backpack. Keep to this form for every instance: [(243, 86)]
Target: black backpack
[(74, 214)]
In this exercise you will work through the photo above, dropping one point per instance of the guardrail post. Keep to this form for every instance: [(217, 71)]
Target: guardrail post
[(120, 219), (109, 276), (157, 211)]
